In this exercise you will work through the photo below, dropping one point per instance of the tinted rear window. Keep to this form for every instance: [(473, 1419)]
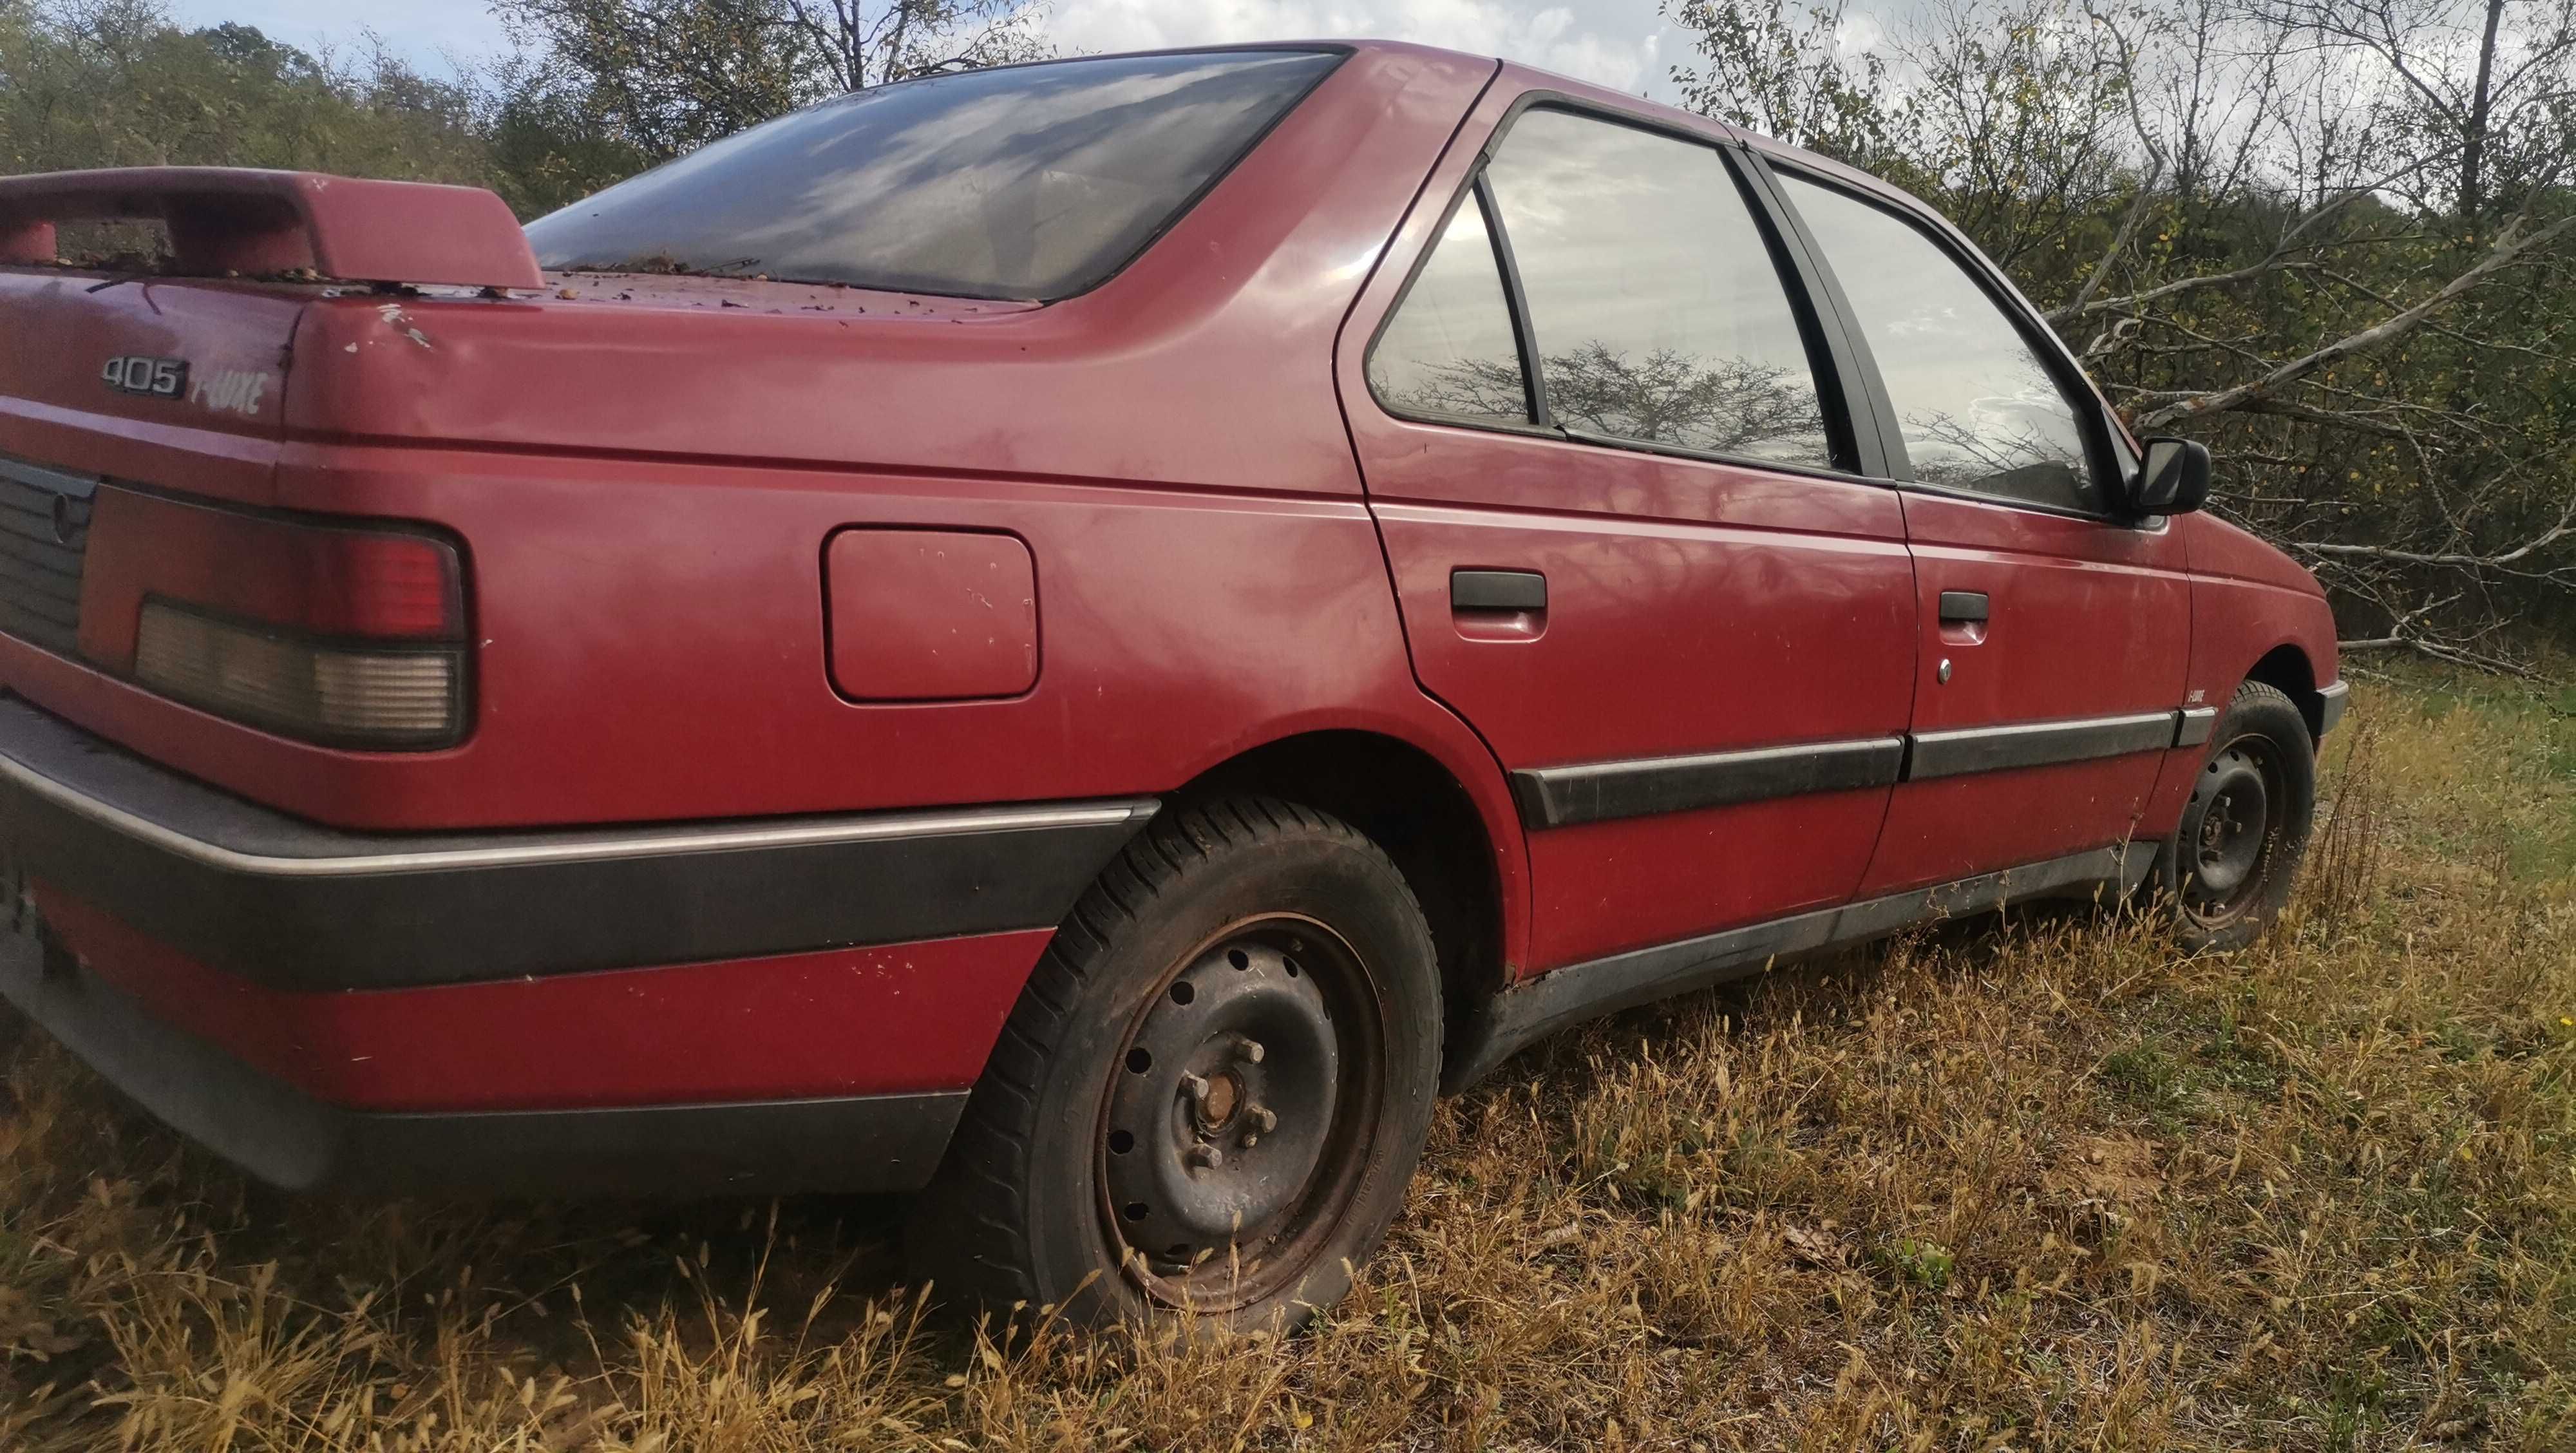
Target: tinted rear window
[(1024, 182)]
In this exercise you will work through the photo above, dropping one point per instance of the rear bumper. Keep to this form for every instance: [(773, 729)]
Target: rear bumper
[(278, 1133), (282, 902), (467, 1012)]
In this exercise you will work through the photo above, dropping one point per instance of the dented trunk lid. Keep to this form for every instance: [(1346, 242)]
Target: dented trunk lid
[(680, 366), (175, 375), (180, 385)]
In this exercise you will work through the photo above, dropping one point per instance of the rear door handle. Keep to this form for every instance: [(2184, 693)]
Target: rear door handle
[(1963, 607), (1497, 590)]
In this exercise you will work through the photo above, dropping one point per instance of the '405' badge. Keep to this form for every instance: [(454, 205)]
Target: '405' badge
[(153, 378)]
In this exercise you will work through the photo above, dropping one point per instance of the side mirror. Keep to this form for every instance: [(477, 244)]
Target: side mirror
[(2173, 481)]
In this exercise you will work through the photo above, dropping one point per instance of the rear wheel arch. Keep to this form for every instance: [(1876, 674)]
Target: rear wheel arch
[(1415, 808), (1233, 1036)]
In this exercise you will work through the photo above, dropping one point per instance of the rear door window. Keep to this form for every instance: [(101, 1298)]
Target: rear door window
[(1022, 182), (1655, 308), (1978, 407)]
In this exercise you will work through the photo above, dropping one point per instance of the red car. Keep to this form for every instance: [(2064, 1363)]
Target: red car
[(1078, 638)]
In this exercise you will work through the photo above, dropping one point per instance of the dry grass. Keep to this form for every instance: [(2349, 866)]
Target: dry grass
[(2043, 1186)]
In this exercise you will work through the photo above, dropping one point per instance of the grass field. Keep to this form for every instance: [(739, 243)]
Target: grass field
[(2043, 1185)]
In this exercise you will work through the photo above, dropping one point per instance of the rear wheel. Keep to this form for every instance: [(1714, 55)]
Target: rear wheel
[(1214, 1089), (2231, 866)]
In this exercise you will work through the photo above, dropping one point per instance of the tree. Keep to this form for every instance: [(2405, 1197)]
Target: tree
[(2332, 237), (870, 42), (597, 91), (664, 77), (2486, 98), (90, 83), (1785, 74)]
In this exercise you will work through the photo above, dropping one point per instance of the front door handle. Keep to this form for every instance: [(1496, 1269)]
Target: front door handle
[(1497, 590), (1963, 607)]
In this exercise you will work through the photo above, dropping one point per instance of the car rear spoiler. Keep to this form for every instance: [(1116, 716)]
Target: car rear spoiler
[(226, 220)]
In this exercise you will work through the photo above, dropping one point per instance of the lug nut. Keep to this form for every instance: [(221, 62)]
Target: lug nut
[(1196, 1087), (1250, 1049), (1263, 1120), (1204, 1157)]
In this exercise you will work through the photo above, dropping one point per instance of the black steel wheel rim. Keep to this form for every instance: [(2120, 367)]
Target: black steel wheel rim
[(2229, 840), (1239, 1114)]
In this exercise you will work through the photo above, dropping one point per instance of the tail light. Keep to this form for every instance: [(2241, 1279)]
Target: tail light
[(298, 686), (343, 636)]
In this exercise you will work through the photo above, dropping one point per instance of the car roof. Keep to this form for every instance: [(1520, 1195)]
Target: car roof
[(1519, 77)]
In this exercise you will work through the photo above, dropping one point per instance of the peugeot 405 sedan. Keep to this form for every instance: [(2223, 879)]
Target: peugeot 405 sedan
[(1078, 639)]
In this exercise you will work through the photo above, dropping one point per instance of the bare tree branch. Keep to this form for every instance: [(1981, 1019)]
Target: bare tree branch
[(2507, 249), (2120, 240)]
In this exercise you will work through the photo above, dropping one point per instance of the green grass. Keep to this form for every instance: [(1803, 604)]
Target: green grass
[(2526, 782)]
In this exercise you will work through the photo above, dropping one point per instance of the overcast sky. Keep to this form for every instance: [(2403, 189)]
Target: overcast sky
[(1621, 43)]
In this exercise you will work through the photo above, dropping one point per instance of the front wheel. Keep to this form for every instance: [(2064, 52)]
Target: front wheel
[(2231, 866), (1212, 1092)]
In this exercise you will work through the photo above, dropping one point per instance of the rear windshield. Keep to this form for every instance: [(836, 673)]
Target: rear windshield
[(1024, 182)]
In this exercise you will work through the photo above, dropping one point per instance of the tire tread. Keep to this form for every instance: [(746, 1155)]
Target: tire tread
[(2260, 697), (988, 1157)]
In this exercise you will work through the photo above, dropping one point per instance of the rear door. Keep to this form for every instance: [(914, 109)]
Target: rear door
[(1627, 526), (2054, 636)]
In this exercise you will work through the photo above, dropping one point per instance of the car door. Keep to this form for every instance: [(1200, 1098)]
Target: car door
[(1621, 506), (2054, 635)]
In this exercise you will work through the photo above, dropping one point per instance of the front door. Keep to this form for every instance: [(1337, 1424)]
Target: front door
[(2053, 637), (1625, 528)]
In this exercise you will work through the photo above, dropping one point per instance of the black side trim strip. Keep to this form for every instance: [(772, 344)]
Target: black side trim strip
[(1602, 791), (288, 1139), (2037, 744), (2195, 726), (1561, 998), (1597, 792), (256, 893)]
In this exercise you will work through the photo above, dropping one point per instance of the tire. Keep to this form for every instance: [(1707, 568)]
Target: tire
[(2231, 865), (1238, 1026)]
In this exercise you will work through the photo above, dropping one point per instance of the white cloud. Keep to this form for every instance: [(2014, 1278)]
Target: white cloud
[(1859, 34), (1627, 56)]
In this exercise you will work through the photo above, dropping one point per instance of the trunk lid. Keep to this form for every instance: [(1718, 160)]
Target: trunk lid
[(141, 358), (175, 375), (124, 391)]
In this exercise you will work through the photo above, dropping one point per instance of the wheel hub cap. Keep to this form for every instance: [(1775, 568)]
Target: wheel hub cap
[(1224, 1107), (2231, 830)]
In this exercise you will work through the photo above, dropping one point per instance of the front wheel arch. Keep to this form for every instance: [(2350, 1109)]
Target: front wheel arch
[(2226, 878), (2286, 669)]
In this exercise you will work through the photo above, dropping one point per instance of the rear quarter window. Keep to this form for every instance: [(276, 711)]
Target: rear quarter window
[(1023, 182)]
